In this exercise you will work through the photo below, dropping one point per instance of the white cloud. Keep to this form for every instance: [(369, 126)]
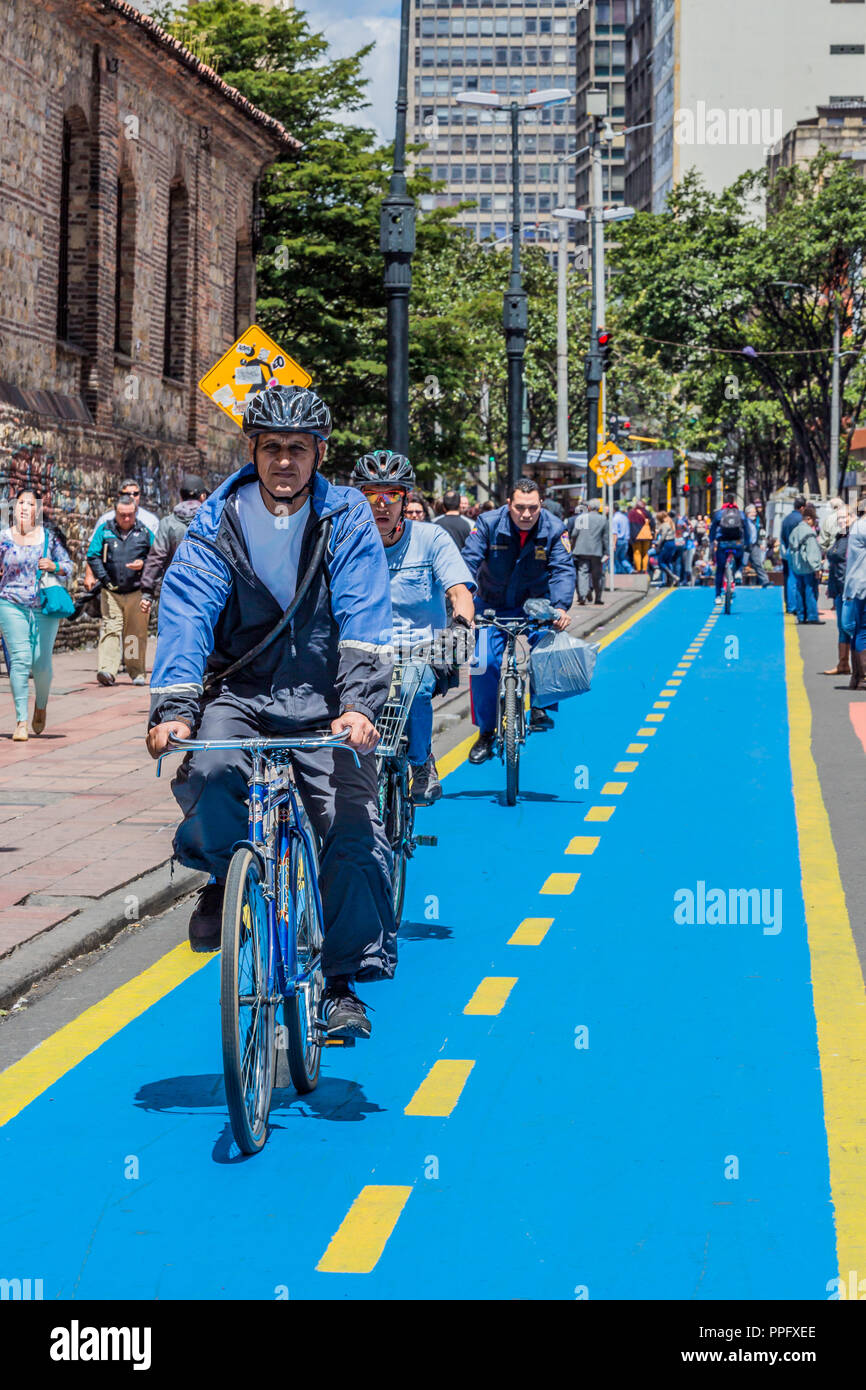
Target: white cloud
[(369, 21)]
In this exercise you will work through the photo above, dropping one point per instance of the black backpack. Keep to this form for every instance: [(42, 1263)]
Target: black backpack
[(731, 526)]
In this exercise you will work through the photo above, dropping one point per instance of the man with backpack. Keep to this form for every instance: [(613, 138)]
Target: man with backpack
[(728, 534), (805, 563)]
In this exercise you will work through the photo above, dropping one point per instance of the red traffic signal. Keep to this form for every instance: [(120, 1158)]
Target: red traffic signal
[(605, 347), (687, 487), (709, 480)]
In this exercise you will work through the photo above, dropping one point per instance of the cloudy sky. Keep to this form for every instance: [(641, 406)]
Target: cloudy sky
[(349, 25)]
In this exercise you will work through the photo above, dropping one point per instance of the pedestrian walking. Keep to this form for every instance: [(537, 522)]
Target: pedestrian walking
[(666, 546), (621, 563), (452, 520), (116, 556), (641, 534), (791, 521), (805, 564), (854, 598), (29, 549), (754, 554), (169, 534), (837, 557), (589, 544)]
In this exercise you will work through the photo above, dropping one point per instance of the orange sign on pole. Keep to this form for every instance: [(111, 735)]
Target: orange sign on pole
[(251, 364)]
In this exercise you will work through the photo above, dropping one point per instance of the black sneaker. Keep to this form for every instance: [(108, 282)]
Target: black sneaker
[(426, 787), (482, 748), (105, 678), (205, 924), (343, 1013), (540, 721)]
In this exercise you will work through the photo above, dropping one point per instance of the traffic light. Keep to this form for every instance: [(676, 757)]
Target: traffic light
[(709, 480), (619, 428), (687, 488), (605, 347)]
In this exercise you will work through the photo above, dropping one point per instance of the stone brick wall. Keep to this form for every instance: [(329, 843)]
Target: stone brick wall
[(76, 415)]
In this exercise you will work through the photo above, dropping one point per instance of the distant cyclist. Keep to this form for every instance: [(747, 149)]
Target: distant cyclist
[(234, 574), (515, 552), (425, 568), (728, 533)]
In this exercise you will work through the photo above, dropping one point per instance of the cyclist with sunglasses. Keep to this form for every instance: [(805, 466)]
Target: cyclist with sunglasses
[(274, 531), (425, 567), (515, 552)]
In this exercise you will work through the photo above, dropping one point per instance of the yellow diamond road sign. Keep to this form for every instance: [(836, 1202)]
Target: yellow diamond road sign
[(610, 463), (251, 364)]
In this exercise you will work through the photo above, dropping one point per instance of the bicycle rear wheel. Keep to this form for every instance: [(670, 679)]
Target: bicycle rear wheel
[(400, 816), (729, 585), (302, 1009), (249, 1053), (512, 740)]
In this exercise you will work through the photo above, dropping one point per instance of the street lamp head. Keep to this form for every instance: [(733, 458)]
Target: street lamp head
[(547, 96), (618, 214), (570, 214), (479, 98)]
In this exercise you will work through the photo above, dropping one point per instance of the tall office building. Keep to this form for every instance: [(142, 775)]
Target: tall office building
[(601, 65), (510, 47), (728, 80)]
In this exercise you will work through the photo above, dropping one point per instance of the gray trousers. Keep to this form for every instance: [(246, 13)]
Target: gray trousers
[(757, 563), (341, 801), (590, 579)]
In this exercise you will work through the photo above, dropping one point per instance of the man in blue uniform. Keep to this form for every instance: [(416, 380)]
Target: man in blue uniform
[(516, 552)]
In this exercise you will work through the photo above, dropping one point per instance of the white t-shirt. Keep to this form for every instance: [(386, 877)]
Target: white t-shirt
[(273, 542)]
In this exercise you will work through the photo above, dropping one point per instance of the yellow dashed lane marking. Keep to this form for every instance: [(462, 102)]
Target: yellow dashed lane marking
[(661, 704), (646, 733), (625, 767), (531, 932), (583, 844), (490, 996), (363, 1233), (560, 884), (600, 812), (613, 788), (654, 718), (636, 748), (440, 1090)]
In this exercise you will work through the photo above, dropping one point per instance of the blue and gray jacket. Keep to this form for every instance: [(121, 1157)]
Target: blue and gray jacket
[(508, 573), (333, 656)]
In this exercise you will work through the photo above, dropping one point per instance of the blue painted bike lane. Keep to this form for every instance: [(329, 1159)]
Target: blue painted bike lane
[(643, 1118)]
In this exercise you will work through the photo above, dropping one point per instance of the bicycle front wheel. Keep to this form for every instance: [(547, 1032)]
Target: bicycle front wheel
[(302, 1009), (249, 1052), (512, 740), (398, 828)]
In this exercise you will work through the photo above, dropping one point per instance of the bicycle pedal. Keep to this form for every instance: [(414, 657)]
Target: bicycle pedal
[(426, 839)]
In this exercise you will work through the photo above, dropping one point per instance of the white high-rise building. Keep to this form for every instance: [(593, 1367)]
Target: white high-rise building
[(729, 79), (510, 47)]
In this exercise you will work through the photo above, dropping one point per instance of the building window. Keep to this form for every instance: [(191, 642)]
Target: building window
[(245, 279), (74, 275), (176, 260), (124, 264)]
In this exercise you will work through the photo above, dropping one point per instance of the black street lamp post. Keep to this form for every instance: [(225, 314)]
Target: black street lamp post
[(397, 243)]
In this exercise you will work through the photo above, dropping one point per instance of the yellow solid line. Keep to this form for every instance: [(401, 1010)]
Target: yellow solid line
[(490, 996), (39, 1069), (625, 767), (837, 981), (452, 759), (636, 748), (560, 884), (583, 844), (599, 813), (440, 1090), (531, 932), (363, 1233), (613, 788)]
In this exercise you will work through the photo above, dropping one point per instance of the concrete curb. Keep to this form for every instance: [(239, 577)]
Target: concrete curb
[(93, 926)]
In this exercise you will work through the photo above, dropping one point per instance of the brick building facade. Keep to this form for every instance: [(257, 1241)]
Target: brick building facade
[(127, 255)]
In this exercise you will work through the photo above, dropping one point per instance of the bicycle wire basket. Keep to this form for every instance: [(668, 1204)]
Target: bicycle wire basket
[(405, 681)]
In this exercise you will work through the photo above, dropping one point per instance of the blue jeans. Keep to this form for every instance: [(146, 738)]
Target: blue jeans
[(791, 592), (854, 622), (419, 725), (620, 558), (29, 635), (844, 635), (806, 597)]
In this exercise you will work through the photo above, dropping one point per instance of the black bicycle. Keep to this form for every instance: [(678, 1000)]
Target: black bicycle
[(511, 727), (392, 758)]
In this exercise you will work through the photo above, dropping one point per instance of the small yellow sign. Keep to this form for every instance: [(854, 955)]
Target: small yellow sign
[(610, 463), (251, 364)]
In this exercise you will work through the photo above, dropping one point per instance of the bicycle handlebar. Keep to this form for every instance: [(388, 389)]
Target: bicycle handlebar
[(257, 745), (514, 626)]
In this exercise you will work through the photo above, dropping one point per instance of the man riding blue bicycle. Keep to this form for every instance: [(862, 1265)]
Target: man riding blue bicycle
[(515, 552), (246, 553), (728, 533), (425, 568)]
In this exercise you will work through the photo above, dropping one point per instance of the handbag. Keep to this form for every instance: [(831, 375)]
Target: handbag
[(54, 601)]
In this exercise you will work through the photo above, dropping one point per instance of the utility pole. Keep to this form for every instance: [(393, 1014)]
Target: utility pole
[(596, 109), (515, 319), (835, 407), (562, 329), (397, 243)]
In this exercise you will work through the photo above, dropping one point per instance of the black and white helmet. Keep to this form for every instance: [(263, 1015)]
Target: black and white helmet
[(383, 466), (285, 409)]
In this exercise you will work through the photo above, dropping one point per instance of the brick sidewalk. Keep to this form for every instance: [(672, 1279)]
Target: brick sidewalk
[(81, 810)]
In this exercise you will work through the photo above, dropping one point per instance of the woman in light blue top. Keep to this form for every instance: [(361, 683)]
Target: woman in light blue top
[(28, 633)]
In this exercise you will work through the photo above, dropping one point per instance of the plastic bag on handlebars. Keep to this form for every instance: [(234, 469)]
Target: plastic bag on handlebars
[(561, 666)]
